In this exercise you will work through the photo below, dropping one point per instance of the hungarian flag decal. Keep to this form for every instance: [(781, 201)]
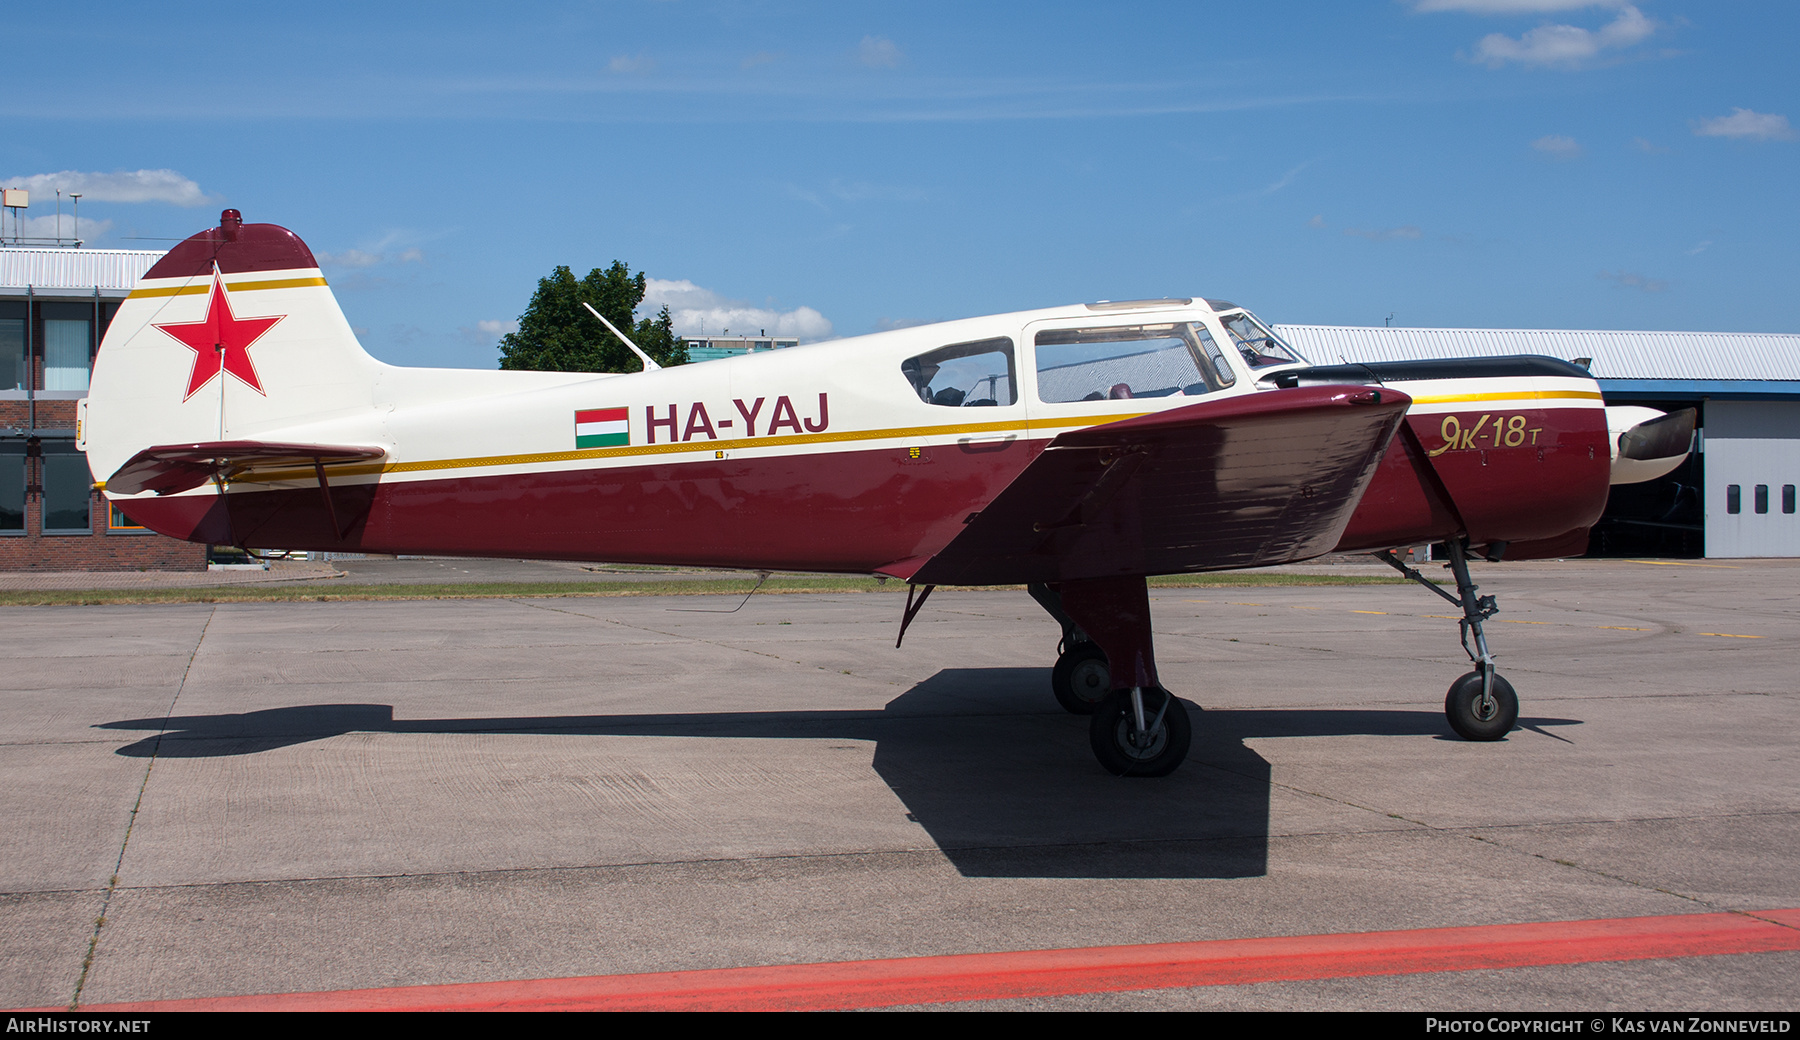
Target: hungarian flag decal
[(601, 428)]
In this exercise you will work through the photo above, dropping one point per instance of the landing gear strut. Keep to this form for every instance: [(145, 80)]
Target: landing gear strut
[(1481, 705), (1107, 671), (1081, 678), (1140, 732)]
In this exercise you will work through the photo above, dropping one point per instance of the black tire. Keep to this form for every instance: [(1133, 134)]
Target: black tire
[(1464, 710), (1081, 679), (1109, 731)]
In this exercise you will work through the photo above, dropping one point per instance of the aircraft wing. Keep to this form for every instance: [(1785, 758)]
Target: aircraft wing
[(1249, 481), (169, 468)]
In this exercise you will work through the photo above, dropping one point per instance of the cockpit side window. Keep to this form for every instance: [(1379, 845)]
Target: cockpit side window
[(1128, 361), (964, 375), (1260, 347)]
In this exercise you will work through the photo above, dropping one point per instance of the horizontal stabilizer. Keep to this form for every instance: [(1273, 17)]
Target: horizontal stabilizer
[(170, 468), (1248, 481)]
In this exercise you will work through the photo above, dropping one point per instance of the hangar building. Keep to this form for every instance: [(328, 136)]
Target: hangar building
[(1734, 498), (55, 304)]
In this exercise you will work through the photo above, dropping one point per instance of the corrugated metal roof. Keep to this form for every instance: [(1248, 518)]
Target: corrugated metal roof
[(50, 271), (1617, 355)]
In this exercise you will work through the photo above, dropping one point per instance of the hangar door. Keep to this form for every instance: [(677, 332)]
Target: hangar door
[(1752, 476)]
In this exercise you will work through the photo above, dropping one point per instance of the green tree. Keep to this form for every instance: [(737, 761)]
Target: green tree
[(557, 334)]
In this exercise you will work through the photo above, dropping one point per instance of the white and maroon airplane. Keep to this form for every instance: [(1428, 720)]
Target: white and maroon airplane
[(1075, 450)]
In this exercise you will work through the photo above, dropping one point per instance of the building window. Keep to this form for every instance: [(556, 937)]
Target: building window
[(1733, 499), (68, 489), (12, 488), (12, 347), (116, 520), (1762, 498), (66, 353), (1787, 498)]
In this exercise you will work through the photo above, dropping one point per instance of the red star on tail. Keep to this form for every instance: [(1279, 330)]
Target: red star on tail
[(221, 340)]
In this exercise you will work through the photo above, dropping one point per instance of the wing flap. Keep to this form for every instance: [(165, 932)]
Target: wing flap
[(170, 468), (1249, 481)]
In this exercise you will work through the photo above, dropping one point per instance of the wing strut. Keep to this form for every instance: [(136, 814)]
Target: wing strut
[(912, 609), (325, 493)]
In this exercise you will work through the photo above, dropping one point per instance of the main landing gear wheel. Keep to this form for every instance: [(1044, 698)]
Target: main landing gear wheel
[(1475, 717), (1081, 679), (1155, 750)]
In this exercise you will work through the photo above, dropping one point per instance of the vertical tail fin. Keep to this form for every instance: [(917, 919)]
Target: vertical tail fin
[(232, 335)]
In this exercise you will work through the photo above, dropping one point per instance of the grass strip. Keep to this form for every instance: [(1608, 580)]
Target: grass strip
[(297, 592)]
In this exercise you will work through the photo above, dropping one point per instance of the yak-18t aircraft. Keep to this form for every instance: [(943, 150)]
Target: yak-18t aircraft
[(1074, 450)]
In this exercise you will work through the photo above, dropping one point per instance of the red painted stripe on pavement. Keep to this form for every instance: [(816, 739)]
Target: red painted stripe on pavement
[(1039, 973)]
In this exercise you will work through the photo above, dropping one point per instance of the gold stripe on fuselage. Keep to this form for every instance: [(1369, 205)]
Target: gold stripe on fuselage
[(901, 433), (1512, 395), (637, 450), (201, 288)]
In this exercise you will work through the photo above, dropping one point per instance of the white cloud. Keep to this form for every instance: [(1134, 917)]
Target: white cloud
[(122, 186), (1280, 182), (859, 191), (810, 197), (1558, 146), (696, 311), (1628, 280), (1701, 248), (1510, 6), (1406, 231), (376, 253), (1742, 122), (630, 65), (1648, 146), (47, 227), (348, 258), (486, 333), (1565, 45), (1318, 220), (852, 191), (879, 52), (406, 335)]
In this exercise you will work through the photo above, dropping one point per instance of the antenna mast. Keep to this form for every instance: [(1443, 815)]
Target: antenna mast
[(649, 365)]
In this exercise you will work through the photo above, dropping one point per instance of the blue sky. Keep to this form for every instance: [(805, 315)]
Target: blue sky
[(834, 169)]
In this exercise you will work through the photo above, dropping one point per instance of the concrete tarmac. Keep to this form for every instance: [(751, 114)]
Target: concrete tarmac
[(208, 800)]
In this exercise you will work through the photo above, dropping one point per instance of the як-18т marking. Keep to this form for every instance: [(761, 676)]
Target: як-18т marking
[(1075, 450)]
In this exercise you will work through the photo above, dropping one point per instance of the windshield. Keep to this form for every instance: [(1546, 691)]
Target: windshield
[(1118, 362), (1260, 347)]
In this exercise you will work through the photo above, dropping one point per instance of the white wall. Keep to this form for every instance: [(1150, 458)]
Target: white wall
[(1750, 443)]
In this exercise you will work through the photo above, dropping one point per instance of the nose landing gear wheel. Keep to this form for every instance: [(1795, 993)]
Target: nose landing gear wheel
[(1081, 679), (1474, 717), (1124, 750)]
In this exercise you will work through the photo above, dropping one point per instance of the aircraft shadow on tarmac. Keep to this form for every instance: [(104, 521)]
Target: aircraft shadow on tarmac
[(1002, 781)]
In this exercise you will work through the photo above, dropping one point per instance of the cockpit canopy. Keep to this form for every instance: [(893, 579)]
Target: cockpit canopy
[(1098, 362)]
